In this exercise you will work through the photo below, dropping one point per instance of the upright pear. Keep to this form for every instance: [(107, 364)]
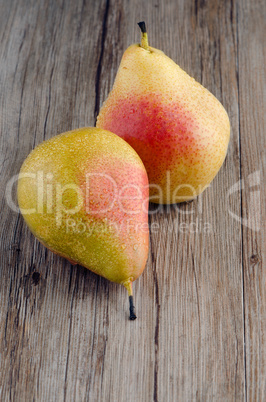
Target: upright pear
[(84, 194), (178, 128)]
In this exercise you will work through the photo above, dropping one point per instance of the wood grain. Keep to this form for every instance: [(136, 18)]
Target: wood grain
[(251, 58), (200, 333)]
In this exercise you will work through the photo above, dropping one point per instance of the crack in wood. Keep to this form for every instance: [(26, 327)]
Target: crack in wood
[(157, 319), (241, 202), (196, 286), (93, 337), (70, 327), (49, 101), (99, 67)]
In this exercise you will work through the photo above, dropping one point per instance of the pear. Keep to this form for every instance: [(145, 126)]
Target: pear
[(84, 194), (178, 128)]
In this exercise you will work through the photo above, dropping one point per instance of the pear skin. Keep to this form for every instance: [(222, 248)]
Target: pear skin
[(177, 127), (84, 194)]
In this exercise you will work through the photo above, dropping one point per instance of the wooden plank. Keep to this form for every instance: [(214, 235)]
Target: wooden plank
[(198, 331), (64, 334), (47, 87), (251, 59)]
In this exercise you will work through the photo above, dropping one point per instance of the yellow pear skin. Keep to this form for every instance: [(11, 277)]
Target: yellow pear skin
[(177, 127), (84, 194)]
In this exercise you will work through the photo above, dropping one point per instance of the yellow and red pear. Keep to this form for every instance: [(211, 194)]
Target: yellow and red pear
[(84, 194), (178, 128)]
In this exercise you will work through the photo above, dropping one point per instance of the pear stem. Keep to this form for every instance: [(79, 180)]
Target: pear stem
[(128, 286), (144, 35), (132, 314)]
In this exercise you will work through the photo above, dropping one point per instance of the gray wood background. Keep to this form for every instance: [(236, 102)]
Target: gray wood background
[(200, 333)]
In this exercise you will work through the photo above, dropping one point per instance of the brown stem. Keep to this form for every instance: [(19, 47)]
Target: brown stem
[(132, 315), (144, 35)]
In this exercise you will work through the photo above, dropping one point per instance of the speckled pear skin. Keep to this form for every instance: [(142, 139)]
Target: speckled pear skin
[(178, 128), (80, 223)]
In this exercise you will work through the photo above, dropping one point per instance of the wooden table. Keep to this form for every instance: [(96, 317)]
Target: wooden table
[(200, 333)]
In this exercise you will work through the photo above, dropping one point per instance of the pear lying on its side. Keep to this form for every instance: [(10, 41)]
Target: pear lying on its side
[(84, 195), (178, 128)]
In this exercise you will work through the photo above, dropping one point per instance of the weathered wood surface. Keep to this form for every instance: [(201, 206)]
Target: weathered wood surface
[(200, 333)]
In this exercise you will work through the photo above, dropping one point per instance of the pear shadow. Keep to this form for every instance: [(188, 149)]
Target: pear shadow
[(90, 283), (43, 276), (95, 289), (164, 209)]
